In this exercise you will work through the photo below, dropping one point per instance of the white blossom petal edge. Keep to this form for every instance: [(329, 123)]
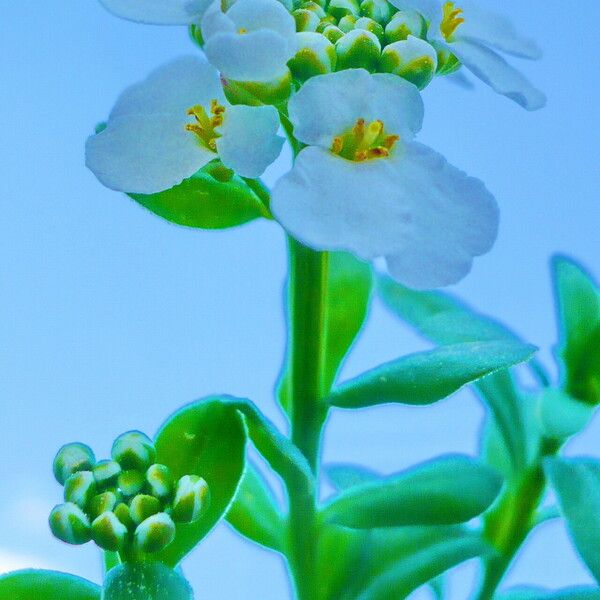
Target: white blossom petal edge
[(158, 12), (164, 129)]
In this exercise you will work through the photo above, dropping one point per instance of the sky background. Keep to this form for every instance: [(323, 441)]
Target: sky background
[(112, 318)]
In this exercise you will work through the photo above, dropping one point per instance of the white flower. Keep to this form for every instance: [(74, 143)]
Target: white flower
[(158, 12), (165, 128), (364, 186), (473, 34), (251, 41)]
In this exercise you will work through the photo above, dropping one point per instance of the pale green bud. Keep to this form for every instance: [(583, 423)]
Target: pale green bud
[(413, 59), (448, 62), (102, 503), (306, 20), (131, 482), (341, 8), (314, 7), (192, 497), (403, 24), (256, 93), (155, 533), (142, 507), (133, 450), (72, 458), (333, 33), (106, 473), (70, 524), (108, 532), (315, 56), (160, 481), (347, 23), (80, 488), (358, 49), (378, 10), (123, 513), (369, 24), (325, 22)]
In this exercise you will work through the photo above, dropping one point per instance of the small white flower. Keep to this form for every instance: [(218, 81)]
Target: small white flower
[(364, 186), (158, 12), (251, 41), (170, 125), (473, 33)]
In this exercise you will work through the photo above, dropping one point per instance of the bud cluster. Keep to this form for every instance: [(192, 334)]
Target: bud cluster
[(127, 503)]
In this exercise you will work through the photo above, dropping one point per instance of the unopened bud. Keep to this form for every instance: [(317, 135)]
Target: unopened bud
[(315, 56), (108, 532), (347, 23), (123, 513), (369, 24), (70, 524), (306, 20), (378, 10), (358, 49), (160, 481), (191, 499), (413, 59), (341, 8), (80, 488), (102, 503), (314, 7), (131, 482), (133, 450), (106, 473), (155, 533), (72, 458), (325, 22), (256, 93), (142, 507), (333, 33), (403, 24)]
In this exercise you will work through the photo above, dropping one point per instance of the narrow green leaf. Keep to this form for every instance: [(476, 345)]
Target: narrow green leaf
[(254, 512), (457, 488), (530, 593), (213, 198), (577, 485), (426, 377), (344, 477), (146, 581), (578, 300), (32, 584), (205, 438)]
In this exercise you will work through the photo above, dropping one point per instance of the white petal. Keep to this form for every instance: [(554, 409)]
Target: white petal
[(141, 154), (498, 74), (328, 105), (157, 12), (253, 15), (249, 142), (428, 218), (172, 89)]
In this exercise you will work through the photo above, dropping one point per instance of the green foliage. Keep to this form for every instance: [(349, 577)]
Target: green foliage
[(344, 477), (206, 438), (576, 593), (578, 299), (577, 485), (456, 489), (213, 198), (34, 584), (427, 377), (560, 415), (146, 581)]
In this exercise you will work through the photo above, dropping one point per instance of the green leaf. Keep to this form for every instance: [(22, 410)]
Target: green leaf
[(577, 485), (578, 299), (146, 581), (254, 512), (205, 438), (31, 584), (349, 295), (426, 377), (344, 477), (457, 488), (561, 416), (213, 198), (529, 593)]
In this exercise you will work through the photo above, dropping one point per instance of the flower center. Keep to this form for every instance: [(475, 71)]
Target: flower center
[(452, 19), (365, 141), (206, 123)]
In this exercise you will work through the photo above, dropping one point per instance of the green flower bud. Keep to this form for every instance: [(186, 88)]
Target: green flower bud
[(347, 23), (318, 10), (142, 507), (131, 482), (192, 496), (378, 10), (341, 8), (133, 450), (315, 56), (255, 93), (403, 24), (70, 524), (108, 532), (106, 473), (160, 481), (333, 33), (448, 62), (102, 503), (358, 48), (123, 513), (195, 34), (72, 458), (369, 24), (155, 533), (413, 59), (306, 20), (325, 22), (80, 488)]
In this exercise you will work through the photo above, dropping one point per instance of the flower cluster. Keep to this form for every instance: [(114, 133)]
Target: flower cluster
[(128, 504)]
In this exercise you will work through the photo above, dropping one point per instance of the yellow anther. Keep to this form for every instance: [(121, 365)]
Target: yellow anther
[(390, 141), (365, 141), (216, 108), (337, 145), (378, 152), (359, 129), (242, 30), (451, 19), (205, 127)]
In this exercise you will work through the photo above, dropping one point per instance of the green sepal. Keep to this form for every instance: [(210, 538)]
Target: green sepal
[(213, 198), (33, 584)]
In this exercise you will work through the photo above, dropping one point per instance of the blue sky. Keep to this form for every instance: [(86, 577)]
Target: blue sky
[(111, 318)]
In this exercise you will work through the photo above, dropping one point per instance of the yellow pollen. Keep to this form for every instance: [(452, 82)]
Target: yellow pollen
[(206, 123), (451, 20), (242, 30), (365, 141)]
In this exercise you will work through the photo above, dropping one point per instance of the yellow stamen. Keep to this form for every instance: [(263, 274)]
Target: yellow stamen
[(205, 126), (365, 141), (242, 30), (337, 145), (451, 20)]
